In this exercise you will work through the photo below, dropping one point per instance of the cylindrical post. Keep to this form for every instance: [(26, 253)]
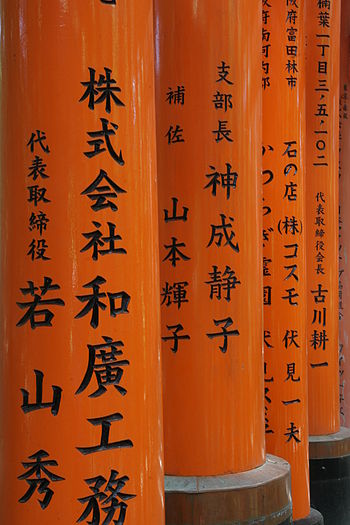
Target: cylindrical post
[(284, 238), (344, 217), (322, 69), (80, 371), (329, 445), (209, 159)]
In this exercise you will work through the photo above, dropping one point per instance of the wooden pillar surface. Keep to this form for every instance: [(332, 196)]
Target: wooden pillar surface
[(322, 156), (284, 241), (81, 424), (344, 218), (209, 157)]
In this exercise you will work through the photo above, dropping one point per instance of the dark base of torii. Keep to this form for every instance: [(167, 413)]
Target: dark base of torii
[(314, 518), (330, 476), (261, 495)]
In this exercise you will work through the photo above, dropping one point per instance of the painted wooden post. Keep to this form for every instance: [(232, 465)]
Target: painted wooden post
[(344, 218), (80, 372), (284, 238), (208, 82), (322, 214), (329, 444)]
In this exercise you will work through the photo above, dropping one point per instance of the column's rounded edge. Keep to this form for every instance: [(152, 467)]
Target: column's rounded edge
[(273, 469), (261, 495), (330, 445)]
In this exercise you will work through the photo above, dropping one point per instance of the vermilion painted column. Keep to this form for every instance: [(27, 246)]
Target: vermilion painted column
[(329, 444), (322, 213), (80, 375), (284, 238), (344, 217), (209, 142)]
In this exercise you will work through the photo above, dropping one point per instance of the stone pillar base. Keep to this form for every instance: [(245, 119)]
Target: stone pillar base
[(261, 495), (314, 518), (330, 476)]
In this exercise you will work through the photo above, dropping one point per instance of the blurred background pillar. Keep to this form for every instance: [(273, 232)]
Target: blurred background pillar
[(284, 243), (329, 443), (344, 217)]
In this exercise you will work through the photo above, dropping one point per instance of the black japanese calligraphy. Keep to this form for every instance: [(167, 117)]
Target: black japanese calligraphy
[(35, 314), (107, 497), (54, 405), (94, 303), (106, 364), (105, 423), (39, 477)]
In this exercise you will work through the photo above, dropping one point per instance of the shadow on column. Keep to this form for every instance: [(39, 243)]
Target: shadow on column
[(330, 476), (261, 495)]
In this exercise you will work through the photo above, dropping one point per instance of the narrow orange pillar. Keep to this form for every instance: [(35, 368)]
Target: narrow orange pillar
[(344, 218), (284, 238), (329, 443), (322, 55), (208, 80), (80, 372)]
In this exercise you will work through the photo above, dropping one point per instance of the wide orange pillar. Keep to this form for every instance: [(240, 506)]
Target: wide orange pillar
[(344, 218), (80, 371), (329, 443), (284, 243), (208, 83)]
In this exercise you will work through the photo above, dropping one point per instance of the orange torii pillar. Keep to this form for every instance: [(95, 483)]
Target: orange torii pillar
[(208, 95), (329, 443), (344, 217), (81, 424), (284, 239)]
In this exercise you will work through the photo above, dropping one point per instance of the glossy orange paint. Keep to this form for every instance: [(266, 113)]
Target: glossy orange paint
[(344, 218), (213, 398), (322, 156), (284, 244), (47, 50)]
